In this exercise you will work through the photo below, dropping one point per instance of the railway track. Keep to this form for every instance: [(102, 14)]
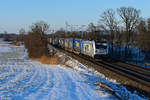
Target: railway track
[(139, 69), (131, 64), (135, 73), (144, 71), (129, 72)]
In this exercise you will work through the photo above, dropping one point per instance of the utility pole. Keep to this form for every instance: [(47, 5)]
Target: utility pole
[(71, 26), (66, 26)]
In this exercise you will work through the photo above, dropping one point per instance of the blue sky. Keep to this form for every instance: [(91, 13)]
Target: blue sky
[(16, 14)]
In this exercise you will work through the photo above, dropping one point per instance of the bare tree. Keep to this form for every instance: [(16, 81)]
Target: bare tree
[(144, 37), (109, 23), (130, 18), (21, 34), (22, 31), (41, 26), (148, 21), (61, 33), (91, 32), (6, 36), (36, 40), (91, 27)]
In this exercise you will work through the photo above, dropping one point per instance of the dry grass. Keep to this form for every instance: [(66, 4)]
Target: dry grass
[(14, 43), (47, 60)]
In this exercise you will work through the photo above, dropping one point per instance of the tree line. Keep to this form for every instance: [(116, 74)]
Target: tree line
[(123, 27)]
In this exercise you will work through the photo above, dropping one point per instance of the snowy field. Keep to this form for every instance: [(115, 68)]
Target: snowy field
[(22, 79)]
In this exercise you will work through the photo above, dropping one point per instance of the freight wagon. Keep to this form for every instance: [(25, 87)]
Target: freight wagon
[(80, 46), (77, 46), (62, 42), (70, 44), (67, 44), (88, 48)]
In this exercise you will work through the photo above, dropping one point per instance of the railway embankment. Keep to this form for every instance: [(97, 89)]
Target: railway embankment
[(130, 84)]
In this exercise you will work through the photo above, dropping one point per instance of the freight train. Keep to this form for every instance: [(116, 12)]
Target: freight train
[(80, 46)]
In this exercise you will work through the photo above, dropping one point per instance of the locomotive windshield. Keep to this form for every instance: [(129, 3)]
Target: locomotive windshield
[(101, 45)]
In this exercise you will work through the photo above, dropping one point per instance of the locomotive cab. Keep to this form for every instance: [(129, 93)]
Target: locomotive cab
[(101, 49)]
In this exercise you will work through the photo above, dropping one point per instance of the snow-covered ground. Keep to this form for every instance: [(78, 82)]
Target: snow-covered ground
[(22, 79)]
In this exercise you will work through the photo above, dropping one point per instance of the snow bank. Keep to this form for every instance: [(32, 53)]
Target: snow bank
[(93, 76), (5, 48)]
